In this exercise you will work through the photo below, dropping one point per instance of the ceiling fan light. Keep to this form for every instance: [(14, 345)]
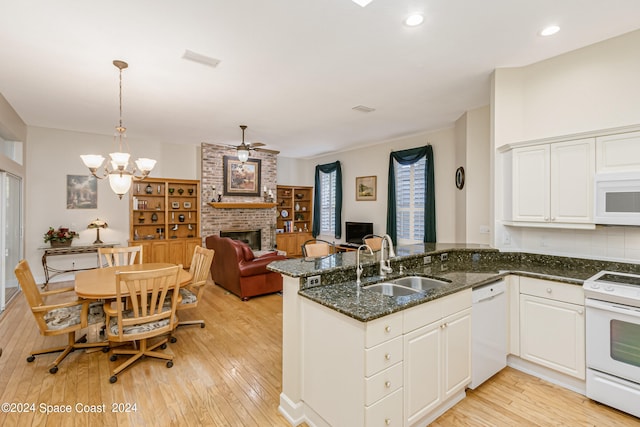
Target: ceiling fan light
[(362, 3), (550, 30), (243, 155), (92, 161)]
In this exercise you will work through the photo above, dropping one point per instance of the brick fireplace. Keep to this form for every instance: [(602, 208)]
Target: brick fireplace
[(237, 218)]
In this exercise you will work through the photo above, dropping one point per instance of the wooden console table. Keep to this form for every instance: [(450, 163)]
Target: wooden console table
[(68, 250)]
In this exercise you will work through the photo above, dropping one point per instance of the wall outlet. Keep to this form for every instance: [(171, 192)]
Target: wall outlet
[(313, 281), (427, 260), (506, 238), (444, 256)]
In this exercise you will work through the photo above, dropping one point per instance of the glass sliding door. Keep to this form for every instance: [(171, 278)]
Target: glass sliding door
[(10, 234)]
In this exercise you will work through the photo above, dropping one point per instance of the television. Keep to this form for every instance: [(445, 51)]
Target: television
[(355, 231)]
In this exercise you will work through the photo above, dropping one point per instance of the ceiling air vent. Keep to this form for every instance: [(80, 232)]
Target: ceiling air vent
[(363, 109), (200, 58)]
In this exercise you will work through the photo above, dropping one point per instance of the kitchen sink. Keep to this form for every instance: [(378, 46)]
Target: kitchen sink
[(392, 289), (420, 283)]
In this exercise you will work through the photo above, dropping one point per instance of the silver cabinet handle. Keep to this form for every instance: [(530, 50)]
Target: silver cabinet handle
[(387, 384), (387, 356), (387, 328)]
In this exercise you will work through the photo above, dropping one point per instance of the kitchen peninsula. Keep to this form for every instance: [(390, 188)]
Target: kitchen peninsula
[(347, 350)]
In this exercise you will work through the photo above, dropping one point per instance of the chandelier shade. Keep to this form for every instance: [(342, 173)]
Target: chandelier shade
[(120, 173)]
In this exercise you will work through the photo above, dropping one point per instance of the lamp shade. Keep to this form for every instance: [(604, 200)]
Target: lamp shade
[(243, 155), (92, 161), (120, 183), (145, 165), (97, 224)]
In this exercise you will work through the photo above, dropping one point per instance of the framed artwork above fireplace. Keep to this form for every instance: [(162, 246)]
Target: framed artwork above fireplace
[(241, 179)]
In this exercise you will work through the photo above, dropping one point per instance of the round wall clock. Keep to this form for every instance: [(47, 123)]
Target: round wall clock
[(460, 178)]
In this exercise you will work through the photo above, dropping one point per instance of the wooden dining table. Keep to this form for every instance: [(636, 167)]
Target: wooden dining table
[(100, 283)]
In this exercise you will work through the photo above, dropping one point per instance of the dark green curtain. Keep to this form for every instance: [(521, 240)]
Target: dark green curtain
[(328, 168), (407, 157)]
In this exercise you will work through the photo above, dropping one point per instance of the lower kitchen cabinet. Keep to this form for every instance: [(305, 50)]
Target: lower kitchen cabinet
[(415, 362), (437, 357), (552, 325), (176, 251), (291, 243)]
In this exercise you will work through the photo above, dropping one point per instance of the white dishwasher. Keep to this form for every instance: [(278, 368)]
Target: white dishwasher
[(488, 332)]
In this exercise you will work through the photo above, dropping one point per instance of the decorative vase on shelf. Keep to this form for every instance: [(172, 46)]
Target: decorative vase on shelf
[(171, 190), (180, 191), (297, 206), (190, 191), (149, 189)]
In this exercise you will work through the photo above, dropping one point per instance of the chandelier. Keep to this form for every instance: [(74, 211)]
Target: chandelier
[(120, 174)]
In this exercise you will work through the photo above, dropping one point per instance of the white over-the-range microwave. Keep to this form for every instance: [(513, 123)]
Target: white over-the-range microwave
[(617, 198)]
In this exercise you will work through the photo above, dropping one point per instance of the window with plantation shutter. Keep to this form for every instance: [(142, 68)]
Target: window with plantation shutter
[(410, 202), (327, 203)]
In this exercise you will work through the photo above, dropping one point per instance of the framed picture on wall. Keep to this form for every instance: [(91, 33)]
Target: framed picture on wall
[(366, 187), (241, 179), (82, 192)]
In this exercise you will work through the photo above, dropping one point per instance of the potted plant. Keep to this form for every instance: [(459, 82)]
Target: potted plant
[(60, 237)]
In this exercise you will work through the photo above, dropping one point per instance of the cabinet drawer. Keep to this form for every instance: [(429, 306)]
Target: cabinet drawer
[(383, 329), (386, 412), (552, 290), (383, 356), (383, 384)]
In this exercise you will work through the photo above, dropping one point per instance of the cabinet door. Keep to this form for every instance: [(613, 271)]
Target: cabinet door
[(531, 183), (618, 153), (287, 242), (572, 172), (422, 371), (300, 239), (147, 250), (176, 252), (189, 250), (552, 334), (160, 251), (456, 347)]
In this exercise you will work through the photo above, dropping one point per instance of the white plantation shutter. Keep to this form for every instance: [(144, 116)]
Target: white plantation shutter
[(327, 202), (410, 189)]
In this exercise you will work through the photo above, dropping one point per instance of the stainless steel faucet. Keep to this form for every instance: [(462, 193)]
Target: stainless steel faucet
[(359, 266), (385, 264)]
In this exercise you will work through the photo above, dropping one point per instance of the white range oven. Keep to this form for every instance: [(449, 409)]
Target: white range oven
[(612, 302)]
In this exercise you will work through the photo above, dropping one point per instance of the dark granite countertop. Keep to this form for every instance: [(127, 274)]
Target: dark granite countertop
[(468, 266)]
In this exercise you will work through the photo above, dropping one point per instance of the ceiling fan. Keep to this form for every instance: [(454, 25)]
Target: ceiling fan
[(244, 148)]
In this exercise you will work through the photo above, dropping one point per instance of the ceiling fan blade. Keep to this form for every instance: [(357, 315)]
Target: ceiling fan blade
[(266, 150), (257, 144)]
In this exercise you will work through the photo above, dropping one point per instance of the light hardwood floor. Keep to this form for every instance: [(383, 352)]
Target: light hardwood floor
[(229, 374)]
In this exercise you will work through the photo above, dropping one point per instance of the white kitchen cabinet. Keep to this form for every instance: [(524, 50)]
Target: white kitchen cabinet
[(552, 325), (356, 374), (551, 185), (437, 356), (618, 153)]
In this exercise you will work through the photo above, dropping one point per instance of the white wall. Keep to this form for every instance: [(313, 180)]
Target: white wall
[(585, 90), (374, 160), (52, 155)]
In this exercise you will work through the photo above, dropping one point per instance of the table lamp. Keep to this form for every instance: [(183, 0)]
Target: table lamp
[(97, 224)]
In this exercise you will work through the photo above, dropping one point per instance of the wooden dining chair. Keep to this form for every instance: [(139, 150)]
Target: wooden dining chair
[(63, 317), (315, 248), (144, 316), (373, 241), (192, 293), (120, 256)]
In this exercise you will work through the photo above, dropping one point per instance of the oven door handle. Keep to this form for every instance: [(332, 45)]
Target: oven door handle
[(612, 307)]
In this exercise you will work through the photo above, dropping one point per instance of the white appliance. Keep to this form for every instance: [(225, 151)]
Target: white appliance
[(488, 331), (617, 198), (612, 339)]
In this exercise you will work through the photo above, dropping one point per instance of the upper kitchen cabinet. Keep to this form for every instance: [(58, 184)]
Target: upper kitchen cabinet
[(618, 153), (550, 185)]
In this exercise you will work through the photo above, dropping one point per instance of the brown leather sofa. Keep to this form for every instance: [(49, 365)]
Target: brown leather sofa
[(236, 269)]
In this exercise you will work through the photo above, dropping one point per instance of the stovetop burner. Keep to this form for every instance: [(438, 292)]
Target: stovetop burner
[(632, 280), (622, 288)]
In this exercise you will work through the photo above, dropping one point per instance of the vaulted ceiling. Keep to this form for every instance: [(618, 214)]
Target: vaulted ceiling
[(292, 70)]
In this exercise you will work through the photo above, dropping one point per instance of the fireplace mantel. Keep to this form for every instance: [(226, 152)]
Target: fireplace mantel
[(242, 205)]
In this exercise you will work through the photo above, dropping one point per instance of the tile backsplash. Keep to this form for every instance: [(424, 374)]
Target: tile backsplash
[(605, 242)]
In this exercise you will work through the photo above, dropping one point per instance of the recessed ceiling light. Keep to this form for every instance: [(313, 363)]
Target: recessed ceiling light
[(550, 30), (414, 19), (362, 3), (363, 109), (200, 58)]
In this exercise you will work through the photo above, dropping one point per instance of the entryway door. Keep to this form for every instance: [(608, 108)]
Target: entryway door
[(11, 231)]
